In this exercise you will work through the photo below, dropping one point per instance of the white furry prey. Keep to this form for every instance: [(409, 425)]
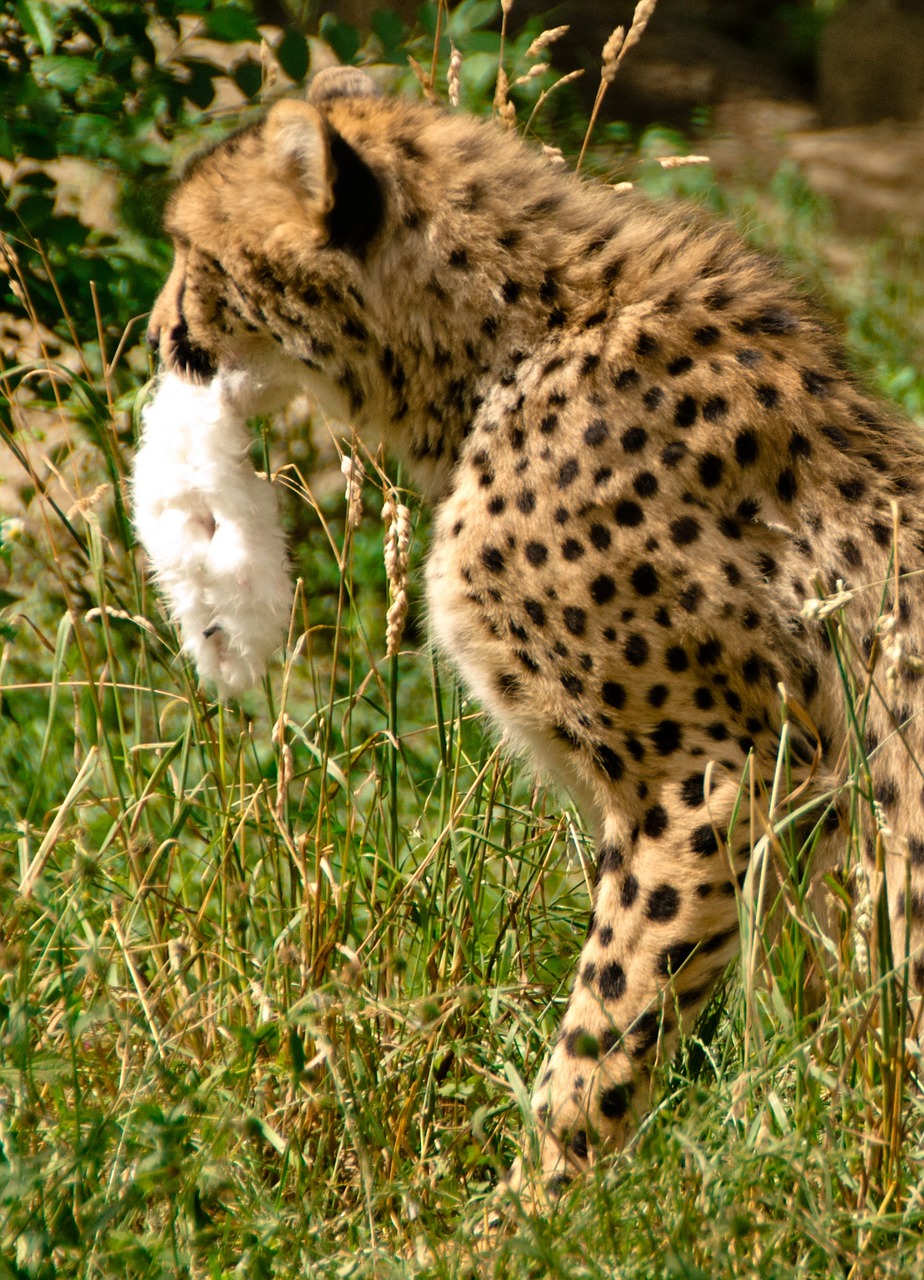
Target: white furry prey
[(211, 529)]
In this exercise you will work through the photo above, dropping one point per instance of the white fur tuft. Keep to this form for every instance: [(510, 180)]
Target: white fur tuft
[(211, 529)]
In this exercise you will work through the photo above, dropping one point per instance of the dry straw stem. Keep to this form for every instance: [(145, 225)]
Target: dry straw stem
[(572, 75), (355, 475), (680, 162), (454, 75), (397, 520), (544, 39), (614, 51)]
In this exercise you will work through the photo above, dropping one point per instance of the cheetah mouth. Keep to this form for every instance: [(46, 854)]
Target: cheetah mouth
[(186, 358)]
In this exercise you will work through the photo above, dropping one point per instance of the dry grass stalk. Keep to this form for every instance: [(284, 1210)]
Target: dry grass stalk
[(544, 39), (680, 162), (397, 520), (355, 474), (571, 76), (502, 104), (615, 49), (423, 78), (454, 75)]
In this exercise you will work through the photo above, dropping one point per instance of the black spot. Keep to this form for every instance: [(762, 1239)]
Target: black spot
[(596, 433), (602, 589), (815, 383), (493, 559), (663, 903), (568, 472), (644, 580), (646, 344), (685, 412), (628, 514), (629, 891), (571, 549), (748, 357), (526, 501), (459, 258), (703, 840), (715, 409), (614, 1101), (667, 737), (613, 694), (572, 684), (589, 363), (497, 505), (652, 398), (634, 439), (851, 552), (852, 490), (767, 394), (655, 822), (691, 790), (673, 452), (703, 698), (625, 378), (575, 620), (711, 468), (636, 650), (684, 530), (535, 612), (610, 761), (676, 658), (548, 424), (645, 484), (747, 448), (581, 1044), (610, 859), (600, 536), (707, 336), (612, 981), (786, 485), (536, 553), (681, 365), (708, 653), (657, 695), (511, 290), (691, 597)]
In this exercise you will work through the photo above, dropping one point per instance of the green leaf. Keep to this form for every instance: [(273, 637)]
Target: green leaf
[(200, 89), (389, 28), (342, 38), (292, 55), (37, 20), (248, 76), (66, 74), (231, 24)]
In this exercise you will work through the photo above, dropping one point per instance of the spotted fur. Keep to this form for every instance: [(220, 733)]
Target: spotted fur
[(644, 453)]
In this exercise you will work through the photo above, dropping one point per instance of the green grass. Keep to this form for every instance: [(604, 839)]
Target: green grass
[(285, 972)]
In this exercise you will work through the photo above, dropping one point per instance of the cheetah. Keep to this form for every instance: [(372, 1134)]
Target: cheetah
[(644, 453)]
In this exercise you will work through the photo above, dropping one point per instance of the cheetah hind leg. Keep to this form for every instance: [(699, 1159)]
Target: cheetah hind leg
[(664, 927), (211, 530)]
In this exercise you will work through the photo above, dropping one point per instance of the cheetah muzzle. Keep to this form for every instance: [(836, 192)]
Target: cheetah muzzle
[(644, 455)]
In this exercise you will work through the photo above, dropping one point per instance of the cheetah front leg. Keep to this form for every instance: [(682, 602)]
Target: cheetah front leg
[(664, 926)]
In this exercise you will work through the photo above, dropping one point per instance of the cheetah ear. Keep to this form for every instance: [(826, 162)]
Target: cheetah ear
[(336, 180), (298, 140), (341, 82)]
